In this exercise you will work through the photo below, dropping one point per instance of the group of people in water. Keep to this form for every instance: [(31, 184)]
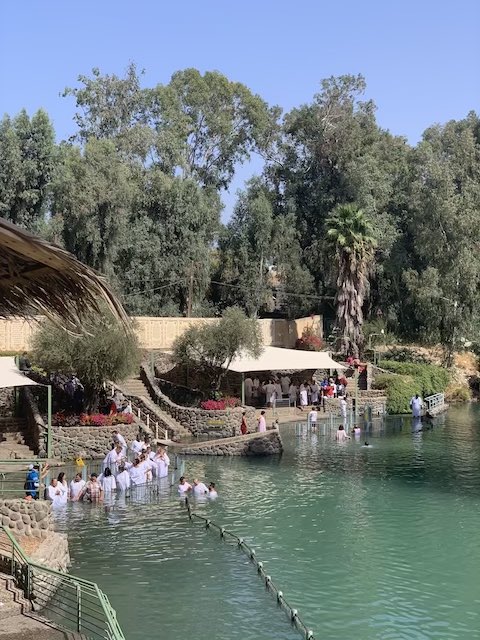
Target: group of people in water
[(124, 467)]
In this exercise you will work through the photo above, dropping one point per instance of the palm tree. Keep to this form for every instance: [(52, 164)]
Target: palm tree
[(351, 235)]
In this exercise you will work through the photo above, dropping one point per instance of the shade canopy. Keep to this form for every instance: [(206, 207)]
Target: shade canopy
[(277, 359), (10, 376)]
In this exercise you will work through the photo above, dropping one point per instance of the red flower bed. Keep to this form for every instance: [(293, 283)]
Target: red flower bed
[(220, 405), (91, 420)]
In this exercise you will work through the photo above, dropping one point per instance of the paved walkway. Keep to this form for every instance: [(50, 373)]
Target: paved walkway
[(23, 627)]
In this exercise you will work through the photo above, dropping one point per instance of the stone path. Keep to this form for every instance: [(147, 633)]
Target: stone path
[(135, 387)]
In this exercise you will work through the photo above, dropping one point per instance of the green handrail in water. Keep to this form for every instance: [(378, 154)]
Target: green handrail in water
[(71, 603)]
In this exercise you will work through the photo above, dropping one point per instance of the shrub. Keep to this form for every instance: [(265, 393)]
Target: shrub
[(400, 354), (399, 390), (220, 405), (309, 341), (92, 420), (458, 394), (428, 378)]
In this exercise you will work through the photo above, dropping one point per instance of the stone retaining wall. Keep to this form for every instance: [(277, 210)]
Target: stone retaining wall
[(25, 518), (88, 442), (53, 552), (35, 434), (216, 424), (375, 399), (258, 444)]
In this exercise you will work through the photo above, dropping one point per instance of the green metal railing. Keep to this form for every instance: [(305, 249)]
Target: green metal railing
[(226, 535), (72, 603), (13, 481)]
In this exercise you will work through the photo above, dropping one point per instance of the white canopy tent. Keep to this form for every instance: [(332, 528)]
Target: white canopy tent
[(277, 359), (10, 376)]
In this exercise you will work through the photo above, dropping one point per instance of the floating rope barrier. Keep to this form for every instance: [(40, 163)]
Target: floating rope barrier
[(226, 535)]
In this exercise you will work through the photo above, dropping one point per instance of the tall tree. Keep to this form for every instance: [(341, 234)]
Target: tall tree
[(27, 157), (351, 236), (442, 280), (94, 193)]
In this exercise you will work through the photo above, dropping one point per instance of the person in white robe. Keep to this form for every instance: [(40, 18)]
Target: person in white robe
[(76, 487), (123, 479), (57, 494), (200, 489)]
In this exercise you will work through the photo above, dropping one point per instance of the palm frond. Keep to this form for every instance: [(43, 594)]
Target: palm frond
[(39, 277)]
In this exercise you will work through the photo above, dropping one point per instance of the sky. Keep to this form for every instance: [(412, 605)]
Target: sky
[(420, 58)]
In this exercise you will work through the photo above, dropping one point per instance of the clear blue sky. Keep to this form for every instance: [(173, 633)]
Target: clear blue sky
[(420, 58)]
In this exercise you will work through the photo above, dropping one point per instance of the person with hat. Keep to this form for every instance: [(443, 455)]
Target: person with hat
[(32, 481)]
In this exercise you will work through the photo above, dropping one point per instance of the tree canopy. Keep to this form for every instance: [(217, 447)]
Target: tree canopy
[(136, 192)]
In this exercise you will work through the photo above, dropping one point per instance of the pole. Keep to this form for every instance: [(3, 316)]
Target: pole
[(356, 395), (190, 293), (243, 389), (49, 421)]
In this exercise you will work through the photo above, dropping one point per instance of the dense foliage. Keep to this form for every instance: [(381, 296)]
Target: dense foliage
[(104, 352), (408, 378), (136, 192), (428, 378)]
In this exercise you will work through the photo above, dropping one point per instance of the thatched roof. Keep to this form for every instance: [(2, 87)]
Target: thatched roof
[(37, 276)]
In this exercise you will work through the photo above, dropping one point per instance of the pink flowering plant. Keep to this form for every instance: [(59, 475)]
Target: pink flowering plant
[(220, 405)]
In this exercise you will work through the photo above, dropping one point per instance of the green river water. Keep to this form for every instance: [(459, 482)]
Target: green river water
[(368, 543)]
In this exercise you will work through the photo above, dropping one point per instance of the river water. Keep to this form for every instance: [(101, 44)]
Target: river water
[(368, 543)]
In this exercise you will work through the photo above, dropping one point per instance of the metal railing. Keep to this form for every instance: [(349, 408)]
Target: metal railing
[(227, 536), (144, 416), (69, 602), (436, 401)]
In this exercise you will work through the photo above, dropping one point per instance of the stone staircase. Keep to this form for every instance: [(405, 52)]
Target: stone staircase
[(17, 620), (136, 388), (12, 443)]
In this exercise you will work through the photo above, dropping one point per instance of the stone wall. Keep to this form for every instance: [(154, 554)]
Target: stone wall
[(7, 401), (35, 434), (26, 518), (53, 552), (216, 424), (374, 398), (88, 442), (257, 444), (160, 333)]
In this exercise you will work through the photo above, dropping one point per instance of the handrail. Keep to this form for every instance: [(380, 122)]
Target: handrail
[(295, 619), (142, 415), (66, 600), (435, 400)]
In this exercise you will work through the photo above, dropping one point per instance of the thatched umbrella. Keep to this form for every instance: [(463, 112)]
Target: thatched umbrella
[(39, 277)]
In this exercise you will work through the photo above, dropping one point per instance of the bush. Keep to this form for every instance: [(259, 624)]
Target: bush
[(428, 378), (92, 420), (399, 390), (220, 405), (400, 354), (309, 341), (458, 394)]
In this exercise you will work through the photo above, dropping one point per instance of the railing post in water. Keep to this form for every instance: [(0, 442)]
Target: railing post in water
[(156, 430), (79, 608), (139, 413), (148, 421)]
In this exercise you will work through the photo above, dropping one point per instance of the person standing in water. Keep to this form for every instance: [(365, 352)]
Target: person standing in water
[(416, 404), (341, 436)]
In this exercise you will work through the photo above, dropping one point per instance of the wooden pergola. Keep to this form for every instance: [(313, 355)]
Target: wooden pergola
[(39, 277)]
